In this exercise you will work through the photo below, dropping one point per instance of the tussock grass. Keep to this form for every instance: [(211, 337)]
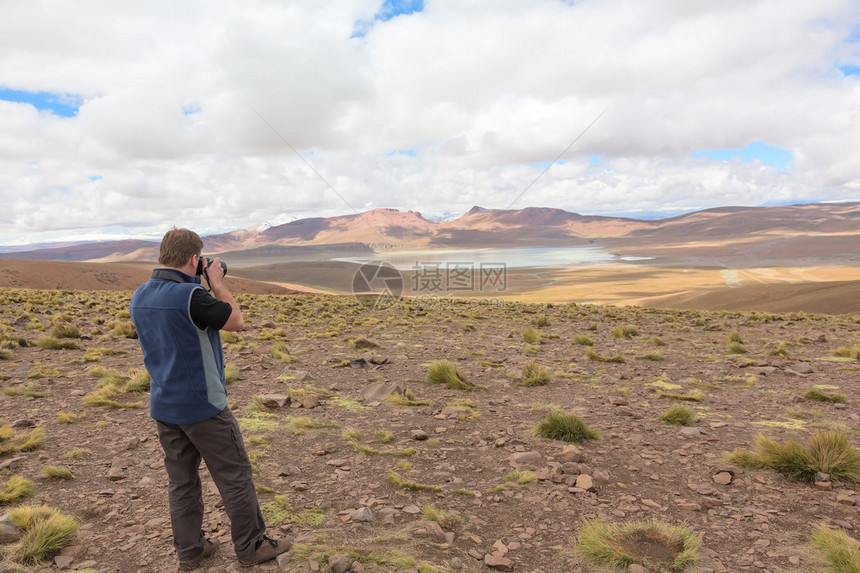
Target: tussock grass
[(626, 331), (816, 395), (407, 398), (52, 343), (11, 442), (76, 454), (139, 381), (15, 488), (652, 356), (564, 426), (840, 550), (124, 329), (680, 415), (583, 340), (66, 418), (280, 511), (828, 451), (46, 530), (448, 520), (531, 336), (353, 438), (737, 348), (691, 396), (447, 373), (535, 374), (395, 478), (57, 472), (654, 544), (592, 355), (65, 330), (231, 373)]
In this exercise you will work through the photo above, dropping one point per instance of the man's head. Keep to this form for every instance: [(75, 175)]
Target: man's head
[(177, 247)]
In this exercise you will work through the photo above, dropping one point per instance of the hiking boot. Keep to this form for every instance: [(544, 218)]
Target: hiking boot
[(209, 547), (267, 549)]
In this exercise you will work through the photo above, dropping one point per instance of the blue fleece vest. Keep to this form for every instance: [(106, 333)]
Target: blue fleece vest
[(186, 364)]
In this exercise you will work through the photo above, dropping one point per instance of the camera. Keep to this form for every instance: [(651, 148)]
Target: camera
[(202, 269)]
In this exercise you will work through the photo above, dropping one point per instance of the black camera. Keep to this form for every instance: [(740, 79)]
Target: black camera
[(202, 269)]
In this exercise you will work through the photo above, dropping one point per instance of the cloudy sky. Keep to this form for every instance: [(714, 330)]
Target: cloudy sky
[(121, 118)]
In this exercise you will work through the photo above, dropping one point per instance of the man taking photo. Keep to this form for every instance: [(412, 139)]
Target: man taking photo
[(178, 323)]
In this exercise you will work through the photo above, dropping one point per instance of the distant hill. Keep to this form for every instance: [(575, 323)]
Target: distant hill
[(18, 273), (737, 235)]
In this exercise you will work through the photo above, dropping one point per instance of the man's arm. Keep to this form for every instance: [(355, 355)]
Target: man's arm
[(215, 278)]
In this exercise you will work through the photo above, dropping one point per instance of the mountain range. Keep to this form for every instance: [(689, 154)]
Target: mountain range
[(743, 235)]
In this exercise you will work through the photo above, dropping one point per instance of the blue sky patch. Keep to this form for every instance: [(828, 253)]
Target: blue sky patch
[(850, 70), (769, 155), (389, 9), (191, 109), (94, 178), (62, 105), (406, 152)]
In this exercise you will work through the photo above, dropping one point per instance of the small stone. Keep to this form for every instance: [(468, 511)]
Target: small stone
[(310, 402), (824, 485), (585, 481), (418, 435), (457, 563), (274, 400), (340, 562), (362, 514), (525, 459), (846, 499), (435, 531), (9, 532), (821, 476), (723, 478), (636, 568), (571, 453), (498, 563)]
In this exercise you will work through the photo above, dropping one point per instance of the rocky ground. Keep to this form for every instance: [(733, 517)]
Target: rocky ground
[(311, 376)]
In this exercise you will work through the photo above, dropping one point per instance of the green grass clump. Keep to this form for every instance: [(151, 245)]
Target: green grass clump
[(840, 550), (11, 442), (16, 487), (65, 330), (680, 415), (57, 472), (447, 373), (448, 520), (395, 478), (592, 355), (46, 530), (51, 343), (139, 381), (531, 336), (76, 454), (829, 452), (692, 396), (654, 544), (737, 348), (626, 331), (816, 395), (583, 340), (124, 329), (535, 374), (280, 511), (406, 398), (567, 427)]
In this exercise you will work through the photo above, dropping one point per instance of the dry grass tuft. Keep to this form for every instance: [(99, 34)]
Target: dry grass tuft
[(447, 373), (46, 530), (828, 452), (839, 549), (653, 544)]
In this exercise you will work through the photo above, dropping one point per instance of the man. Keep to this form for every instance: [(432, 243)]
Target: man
[(178, 325)]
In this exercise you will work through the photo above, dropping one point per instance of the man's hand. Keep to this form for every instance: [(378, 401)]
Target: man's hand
[(214, 274)]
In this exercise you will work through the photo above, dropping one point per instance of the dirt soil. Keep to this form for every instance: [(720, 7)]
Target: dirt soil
[(336, 484)]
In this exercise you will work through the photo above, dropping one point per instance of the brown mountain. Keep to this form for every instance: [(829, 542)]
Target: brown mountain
[(741, 233)]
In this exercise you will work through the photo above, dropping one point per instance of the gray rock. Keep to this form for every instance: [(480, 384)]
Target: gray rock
[(525, 459), (381, 390), (362, 514), (340, 562)]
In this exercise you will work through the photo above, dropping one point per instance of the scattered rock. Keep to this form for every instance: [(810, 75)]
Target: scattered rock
[(339, 562), (435, 532), (274, 400), (381, 390), (723, 478), (498, 563), (520, 459), (419, 435), (362, 514)]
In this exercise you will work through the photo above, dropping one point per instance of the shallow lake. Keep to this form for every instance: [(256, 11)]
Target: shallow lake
[(508, 258)]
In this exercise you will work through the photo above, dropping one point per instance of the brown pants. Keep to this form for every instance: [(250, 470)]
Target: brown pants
[(219, 442)]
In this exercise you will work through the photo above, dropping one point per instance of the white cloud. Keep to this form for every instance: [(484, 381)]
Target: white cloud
[(480, 93)]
